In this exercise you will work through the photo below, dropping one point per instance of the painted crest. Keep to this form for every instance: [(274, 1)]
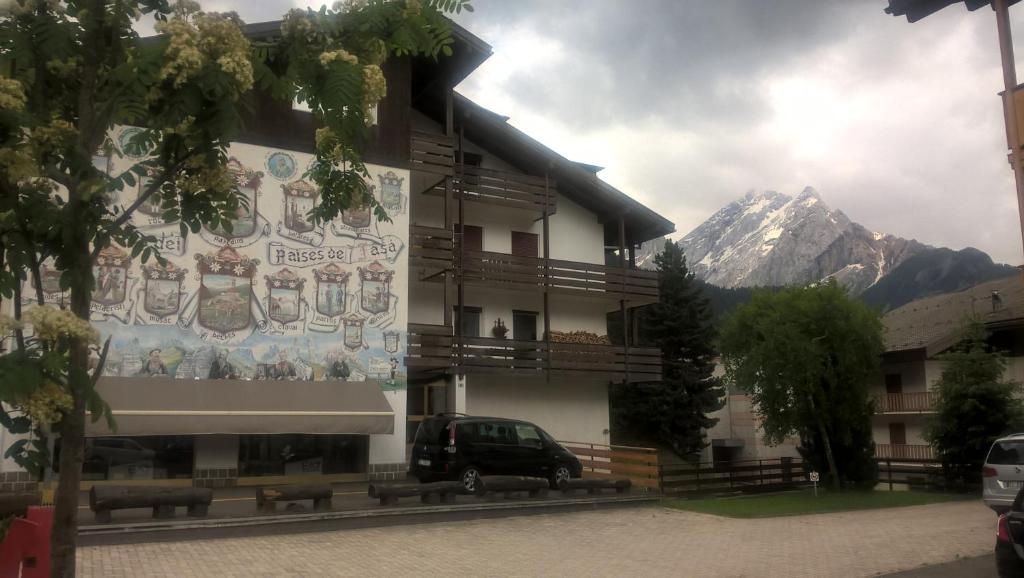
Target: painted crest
[(247, 181), (299, 199), (391, 341), (110, 272), (281, 165), (331, 284), (49, 277), (284, 290), (391, 191), (375, 289), (357, 217), (353, 335), (225, 292), (130, 147), (163, 288), (151, 206)]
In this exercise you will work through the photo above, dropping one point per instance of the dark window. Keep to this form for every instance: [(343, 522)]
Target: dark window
[(1010, 453), (296, 454), (496, 433), (135, 458), (473, 236), (471, 159), (893, 383), (471, 323), (524, 244), (524, 325), (897, 434)]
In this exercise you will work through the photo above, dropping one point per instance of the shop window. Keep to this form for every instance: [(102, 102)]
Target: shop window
[(302, 454), (135, 458)]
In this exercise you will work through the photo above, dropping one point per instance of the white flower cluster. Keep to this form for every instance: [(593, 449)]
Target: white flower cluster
[(349, 5), (12, 94), (51, 324), (375, 87), (340, 54), (211, 39)]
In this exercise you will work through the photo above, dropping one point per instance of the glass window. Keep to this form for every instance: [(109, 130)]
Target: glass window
[(496, 433), (299, 454), (135, 458), (1010, 453), (528, 435), (471, 323)]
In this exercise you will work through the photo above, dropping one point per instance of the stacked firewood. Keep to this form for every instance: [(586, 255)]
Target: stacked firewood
[(580, 337)]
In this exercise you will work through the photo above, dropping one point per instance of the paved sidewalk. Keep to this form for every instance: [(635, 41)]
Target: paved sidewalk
[(653, 541)]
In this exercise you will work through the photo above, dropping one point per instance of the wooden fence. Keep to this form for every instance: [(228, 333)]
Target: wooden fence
[(640, 465), (924, 472), (752, 475)]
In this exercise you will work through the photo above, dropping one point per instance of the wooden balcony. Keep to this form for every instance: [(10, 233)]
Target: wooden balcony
[(904, 452), (435, 349), (432, 153), (917, 402), (431, 248), (502, 188)]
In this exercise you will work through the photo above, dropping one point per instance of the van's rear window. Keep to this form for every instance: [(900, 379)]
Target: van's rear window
[(432, 431), (1009, 453)]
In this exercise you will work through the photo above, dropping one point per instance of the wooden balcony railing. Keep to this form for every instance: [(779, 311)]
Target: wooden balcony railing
[(502, 188), (533, 273), (431, 248), (904, 452), (916, 402), (432, 153), (434, 348)]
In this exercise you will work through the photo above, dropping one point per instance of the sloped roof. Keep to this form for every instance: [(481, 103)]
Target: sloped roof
[(932, 323), (915, 10)]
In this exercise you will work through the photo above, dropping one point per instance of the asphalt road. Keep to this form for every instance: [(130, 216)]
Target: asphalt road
[(980, 567)]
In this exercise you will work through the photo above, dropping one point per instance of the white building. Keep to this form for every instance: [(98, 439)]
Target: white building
[(296, 352)]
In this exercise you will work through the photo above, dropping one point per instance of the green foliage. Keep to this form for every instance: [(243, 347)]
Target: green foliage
[(674, 411), (806, 356), (975, 406)]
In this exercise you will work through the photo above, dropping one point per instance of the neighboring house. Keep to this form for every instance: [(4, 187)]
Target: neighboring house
[(504, 316), (915, 335)]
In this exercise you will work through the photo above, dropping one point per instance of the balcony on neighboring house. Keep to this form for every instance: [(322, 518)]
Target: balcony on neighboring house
[(903, 403), (904, 452), (435, 349)]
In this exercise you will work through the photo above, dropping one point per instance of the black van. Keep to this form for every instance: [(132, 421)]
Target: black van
[(456, 447)]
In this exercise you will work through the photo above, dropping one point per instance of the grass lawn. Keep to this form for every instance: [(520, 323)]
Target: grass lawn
[(804, 502)]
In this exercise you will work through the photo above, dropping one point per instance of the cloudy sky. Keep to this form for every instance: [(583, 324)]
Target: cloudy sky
[(689, 104)]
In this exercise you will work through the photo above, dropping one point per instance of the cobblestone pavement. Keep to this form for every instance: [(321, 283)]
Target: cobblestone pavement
[(651, 541)]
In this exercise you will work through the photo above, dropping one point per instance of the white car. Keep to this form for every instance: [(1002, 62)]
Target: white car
[(1003, 473)]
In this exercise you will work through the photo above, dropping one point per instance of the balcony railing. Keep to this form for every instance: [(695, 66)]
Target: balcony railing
[(432, 153), (503, 188), (431, 248), (904, 452), (916, 402), (434, 348)]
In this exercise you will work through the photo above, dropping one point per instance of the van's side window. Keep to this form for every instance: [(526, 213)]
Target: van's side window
[(496, 433), (528, 435)]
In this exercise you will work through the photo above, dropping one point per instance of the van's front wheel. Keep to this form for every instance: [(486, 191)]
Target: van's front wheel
[(470, 478), (559, 477)]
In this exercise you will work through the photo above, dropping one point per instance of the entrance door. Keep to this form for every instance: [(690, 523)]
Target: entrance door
[(893, 383), (524, 325), (898, 434)]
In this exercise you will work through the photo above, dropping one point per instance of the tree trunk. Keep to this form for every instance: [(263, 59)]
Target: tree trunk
[(72, 430), (827, 443)]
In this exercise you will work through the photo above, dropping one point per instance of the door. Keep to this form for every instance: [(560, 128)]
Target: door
[(470, 322), (898, 434), (893, 383), (473, 237), (524, 244), (524, 325), (531, 457)]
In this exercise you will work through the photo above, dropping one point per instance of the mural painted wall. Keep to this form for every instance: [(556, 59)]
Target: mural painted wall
[(273, 298)]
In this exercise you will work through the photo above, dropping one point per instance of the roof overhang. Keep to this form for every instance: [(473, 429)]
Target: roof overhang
[(166, 406), (915, 10)]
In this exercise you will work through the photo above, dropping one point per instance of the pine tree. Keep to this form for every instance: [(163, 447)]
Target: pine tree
[(975, 405), (674, 411)]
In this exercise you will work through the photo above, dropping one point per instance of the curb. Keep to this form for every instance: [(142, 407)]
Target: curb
[(414, 511)]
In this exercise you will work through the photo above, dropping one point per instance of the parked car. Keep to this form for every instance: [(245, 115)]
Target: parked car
[(455, 447), (1003, 472), (1010, 540)]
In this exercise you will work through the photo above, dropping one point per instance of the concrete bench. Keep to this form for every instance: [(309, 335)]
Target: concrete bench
[(17, 503), (429, 493), (267, 498), (509, 485), (595, 485), (163, 500)]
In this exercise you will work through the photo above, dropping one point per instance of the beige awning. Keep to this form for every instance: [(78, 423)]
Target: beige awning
[(167, 406)]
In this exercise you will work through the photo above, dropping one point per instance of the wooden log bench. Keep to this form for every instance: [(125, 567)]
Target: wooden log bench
[(510, 485), (595, 485), (429, 493), (163, 500), (267, 498), (17, 503)]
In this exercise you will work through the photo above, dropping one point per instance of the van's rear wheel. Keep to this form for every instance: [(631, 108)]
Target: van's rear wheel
[(559, 477), (470, 478)]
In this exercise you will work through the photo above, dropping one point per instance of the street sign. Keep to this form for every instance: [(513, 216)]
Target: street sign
[(815, 477)]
